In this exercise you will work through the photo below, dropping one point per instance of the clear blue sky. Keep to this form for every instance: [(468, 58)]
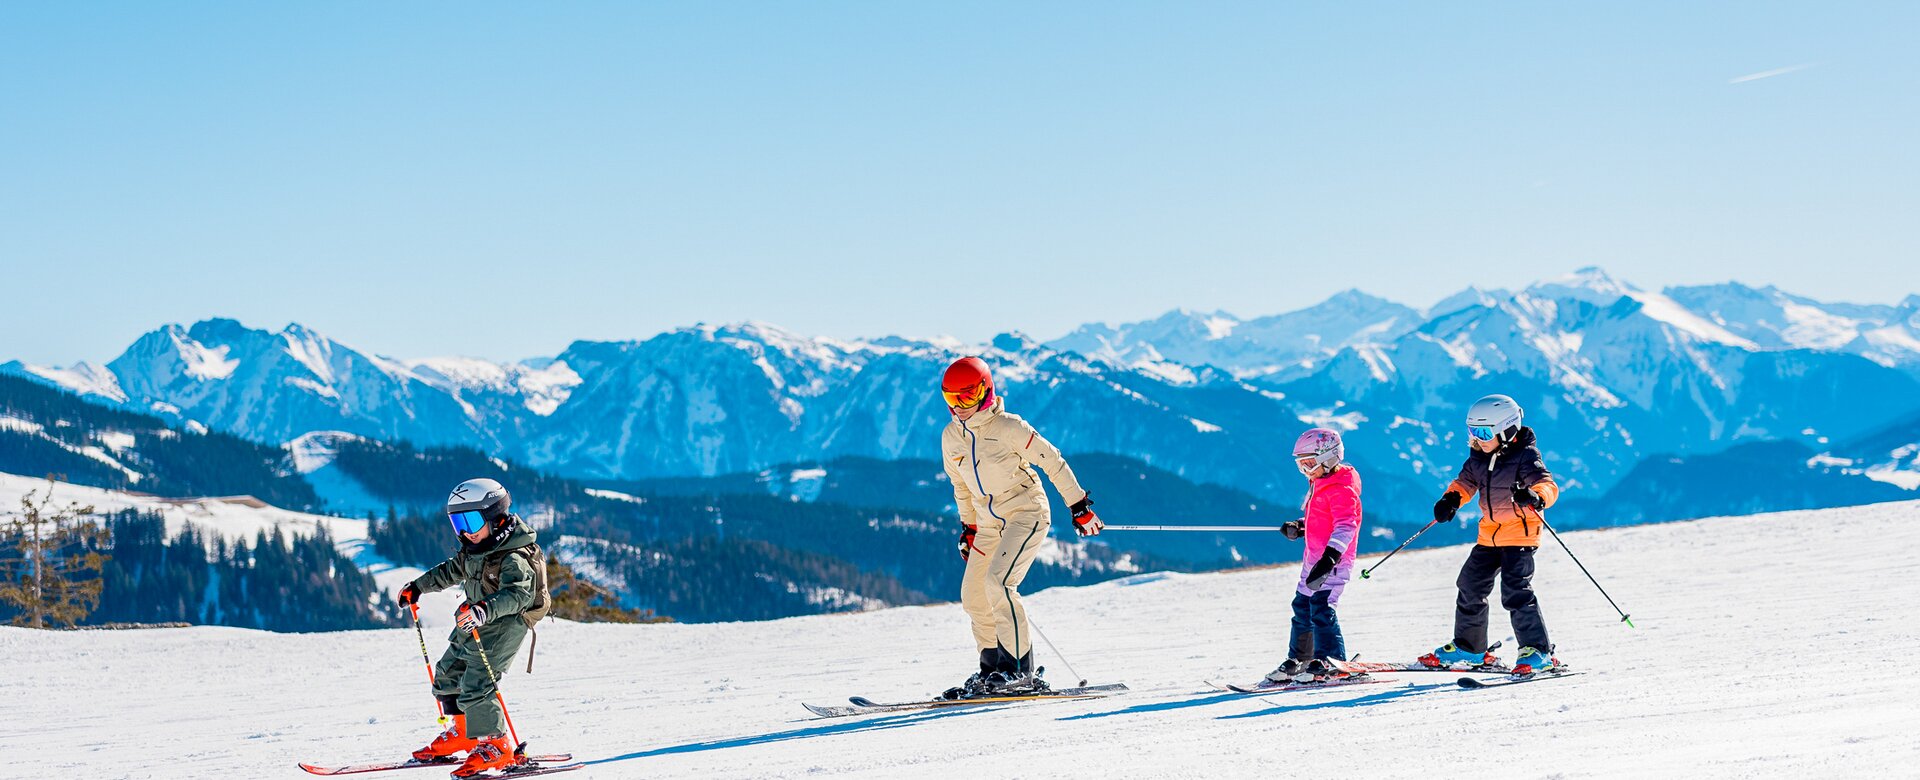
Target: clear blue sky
[(498, 179)]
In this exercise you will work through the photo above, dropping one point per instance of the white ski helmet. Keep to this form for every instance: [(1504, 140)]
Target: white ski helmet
[(1493, 418), (1321, 444), (476, 503)]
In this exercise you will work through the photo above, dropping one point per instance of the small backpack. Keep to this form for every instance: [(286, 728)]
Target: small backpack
[(542, 596)]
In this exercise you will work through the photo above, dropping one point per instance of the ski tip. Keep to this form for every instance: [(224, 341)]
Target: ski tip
[(1470, 683)]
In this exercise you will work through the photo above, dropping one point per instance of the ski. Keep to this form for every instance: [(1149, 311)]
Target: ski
[(414, 763), (860, 705), (527, 770), (1474, 683), (1272, 687), (1369, 667)]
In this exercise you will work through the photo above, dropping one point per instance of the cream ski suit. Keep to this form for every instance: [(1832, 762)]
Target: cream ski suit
[(990, 459)]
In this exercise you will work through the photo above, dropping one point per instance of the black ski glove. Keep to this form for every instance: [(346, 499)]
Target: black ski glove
[(1293, 530), (966, 540), (1323, 568), (1444, 509), (409, 595), (1524, 496)]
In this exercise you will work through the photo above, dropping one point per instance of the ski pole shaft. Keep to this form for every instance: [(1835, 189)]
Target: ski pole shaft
[(1624, 617), (1192, 528), (1368, 572), (484, 661), (1056, 651), (427, 659)]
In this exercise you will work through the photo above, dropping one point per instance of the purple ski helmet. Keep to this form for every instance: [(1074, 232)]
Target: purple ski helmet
[(1323, 445)]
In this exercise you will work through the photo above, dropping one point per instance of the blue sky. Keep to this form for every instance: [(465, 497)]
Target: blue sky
[(497, 180)]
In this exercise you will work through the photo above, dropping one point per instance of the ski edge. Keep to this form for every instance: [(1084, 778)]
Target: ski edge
[(1474, 684), (1257, 689), (361, 769), (1415, 666), (871, 707)]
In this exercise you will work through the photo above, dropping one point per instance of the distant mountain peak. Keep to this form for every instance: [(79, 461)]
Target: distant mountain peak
[(1354, 297), (1590, 284), (1467, 299), (1014, 341)]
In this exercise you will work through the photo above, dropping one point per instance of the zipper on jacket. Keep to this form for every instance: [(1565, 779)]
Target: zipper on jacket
[(973, 451)]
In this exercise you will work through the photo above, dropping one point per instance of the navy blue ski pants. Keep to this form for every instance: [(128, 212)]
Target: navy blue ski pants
[(1316, 628)]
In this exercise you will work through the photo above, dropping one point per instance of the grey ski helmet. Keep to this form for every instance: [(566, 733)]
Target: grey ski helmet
[(1493, 418), (476, 503)]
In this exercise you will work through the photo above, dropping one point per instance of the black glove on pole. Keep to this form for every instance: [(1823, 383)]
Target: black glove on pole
[(1444, 509)]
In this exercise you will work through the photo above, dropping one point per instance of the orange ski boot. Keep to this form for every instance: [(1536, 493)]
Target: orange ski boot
[(491, 753), (451, 742)]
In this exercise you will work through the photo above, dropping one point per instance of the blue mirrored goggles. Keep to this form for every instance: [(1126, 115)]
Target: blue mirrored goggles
[(1481, 432), (467, 522)]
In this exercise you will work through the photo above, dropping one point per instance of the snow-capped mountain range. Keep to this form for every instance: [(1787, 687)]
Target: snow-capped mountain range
[(1610, 374)]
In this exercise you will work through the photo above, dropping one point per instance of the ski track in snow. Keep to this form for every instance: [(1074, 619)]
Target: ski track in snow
[(1766, 609)]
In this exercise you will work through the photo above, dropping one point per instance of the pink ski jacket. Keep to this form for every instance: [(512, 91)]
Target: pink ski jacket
[(1332, 515)]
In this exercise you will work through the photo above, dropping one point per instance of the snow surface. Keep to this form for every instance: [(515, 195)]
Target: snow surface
[(1729, 674)]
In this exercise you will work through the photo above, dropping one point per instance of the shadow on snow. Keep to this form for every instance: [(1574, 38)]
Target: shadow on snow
[(1198, 700), (848, 726), (1368, 700)]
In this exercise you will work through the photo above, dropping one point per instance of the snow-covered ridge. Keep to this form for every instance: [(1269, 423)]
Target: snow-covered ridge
[(712, 399)]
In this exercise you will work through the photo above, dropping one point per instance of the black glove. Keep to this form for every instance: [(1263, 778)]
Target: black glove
[(1085, 522), (966, 539), (409, 595), (1447, 505), (1524, 496), (1323, 568), (1293, 530)]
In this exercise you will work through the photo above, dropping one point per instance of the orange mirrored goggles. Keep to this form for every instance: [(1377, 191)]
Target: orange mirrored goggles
[(967, 398)]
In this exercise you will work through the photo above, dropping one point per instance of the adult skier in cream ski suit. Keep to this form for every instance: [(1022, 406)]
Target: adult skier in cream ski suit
[(990, 455)]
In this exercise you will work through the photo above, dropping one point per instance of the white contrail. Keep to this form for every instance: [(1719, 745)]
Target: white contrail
[(1767, 74)]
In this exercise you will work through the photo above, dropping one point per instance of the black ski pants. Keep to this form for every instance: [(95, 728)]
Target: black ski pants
[(1514, 566)]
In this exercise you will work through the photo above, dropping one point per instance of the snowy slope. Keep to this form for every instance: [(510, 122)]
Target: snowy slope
[(1760, 614)]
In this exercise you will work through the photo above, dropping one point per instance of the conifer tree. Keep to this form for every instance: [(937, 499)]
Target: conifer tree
[(52, 572)]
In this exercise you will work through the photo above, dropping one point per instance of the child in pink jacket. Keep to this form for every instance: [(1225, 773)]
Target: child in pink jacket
[(1330, 524)]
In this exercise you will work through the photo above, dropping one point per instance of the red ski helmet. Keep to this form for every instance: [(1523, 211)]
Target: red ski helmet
[(967, 384)]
